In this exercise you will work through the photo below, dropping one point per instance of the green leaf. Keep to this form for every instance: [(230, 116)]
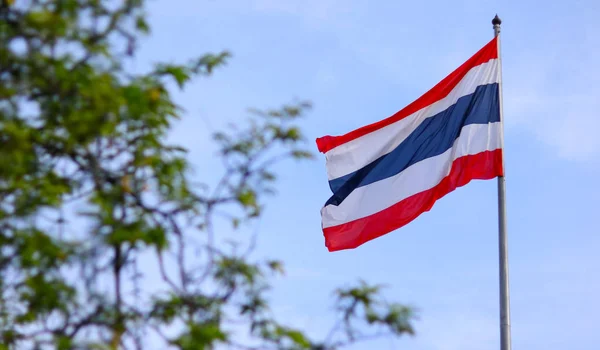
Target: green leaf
[(276, 266), (200, 336), (156, 236), (142, 25), (298, 338), (207, 63), (298, 154), (247, 198), (63, 343), (179, 73), (8, 338)]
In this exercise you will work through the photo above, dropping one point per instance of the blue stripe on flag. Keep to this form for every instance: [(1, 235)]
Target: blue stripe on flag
[(433, 137)]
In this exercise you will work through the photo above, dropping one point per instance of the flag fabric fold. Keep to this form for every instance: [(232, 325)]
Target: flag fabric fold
[(386, 174)]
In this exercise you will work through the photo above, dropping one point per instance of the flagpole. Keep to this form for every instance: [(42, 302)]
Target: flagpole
[(505, 339)]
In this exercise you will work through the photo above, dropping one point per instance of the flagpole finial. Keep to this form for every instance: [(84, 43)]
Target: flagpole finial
[(496, 21)]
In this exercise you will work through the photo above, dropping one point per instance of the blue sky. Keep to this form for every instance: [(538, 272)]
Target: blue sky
[(361, 61)]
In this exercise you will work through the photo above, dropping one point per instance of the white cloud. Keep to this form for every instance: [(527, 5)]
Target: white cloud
[(566, 120)]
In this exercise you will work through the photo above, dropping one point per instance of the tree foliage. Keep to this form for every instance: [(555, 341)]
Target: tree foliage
[(93, 199)]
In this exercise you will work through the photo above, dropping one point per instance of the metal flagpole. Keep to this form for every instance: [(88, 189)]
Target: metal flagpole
[(505, 341)]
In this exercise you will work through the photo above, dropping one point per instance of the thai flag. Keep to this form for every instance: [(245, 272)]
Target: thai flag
[(386, 174)]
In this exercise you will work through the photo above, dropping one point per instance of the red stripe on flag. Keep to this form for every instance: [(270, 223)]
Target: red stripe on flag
[(441, 90), (481, 166)]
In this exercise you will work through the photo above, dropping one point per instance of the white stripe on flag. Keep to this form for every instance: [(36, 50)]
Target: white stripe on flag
[(424, 175), (357, 153)]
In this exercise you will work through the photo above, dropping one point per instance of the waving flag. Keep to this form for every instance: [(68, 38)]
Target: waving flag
[(384, 175)]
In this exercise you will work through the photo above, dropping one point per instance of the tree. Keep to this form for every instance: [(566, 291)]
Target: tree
[(89, 187)]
